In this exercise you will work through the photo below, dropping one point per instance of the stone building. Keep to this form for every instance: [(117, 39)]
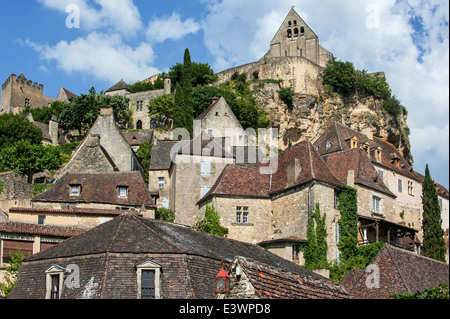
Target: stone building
[(132, 257), (104, 149), (139, 102), (393, 271), (398, 203), (295, 57), (51, 133), (273, 209), (18, 93), (65, 95)]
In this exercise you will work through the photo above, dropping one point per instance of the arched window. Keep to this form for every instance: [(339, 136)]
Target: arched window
[(139, 125), (289, 23), (289, 33), (296, 32), (302, 30), (295, 22), (153, 124)]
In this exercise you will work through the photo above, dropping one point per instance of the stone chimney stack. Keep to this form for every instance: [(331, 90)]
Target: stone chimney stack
[(53, 128), (293, 169)]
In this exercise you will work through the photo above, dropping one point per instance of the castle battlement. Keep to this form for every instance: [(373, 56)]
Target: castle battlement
[(21, 79)]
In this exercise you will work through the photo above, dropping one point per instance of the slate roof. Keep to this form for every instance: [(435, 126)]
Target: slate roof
[(273, 283), (121, 85), (129, 233), (400, 270), (100, 188), (161, 155)]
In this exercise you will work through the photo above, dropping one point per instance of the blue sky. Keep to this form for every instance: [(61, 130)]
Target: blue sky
[(407, 39)]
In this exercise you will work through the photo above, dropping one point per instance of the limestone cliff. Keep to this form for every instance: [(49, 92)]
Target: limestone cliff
[(309, 115)]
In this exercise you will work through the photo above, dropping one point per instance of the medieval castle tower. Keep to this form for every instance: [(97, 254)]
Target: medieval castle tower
[(19, 93)]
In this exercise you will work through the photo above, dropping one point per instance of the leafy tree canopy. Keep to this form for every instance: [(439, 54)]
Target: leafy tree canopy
[(14, 128), (202, 74)]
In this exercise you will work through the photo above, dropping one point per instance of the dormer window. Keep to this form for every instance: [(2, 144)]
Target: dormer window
[(353, 142), (123, 192), (75, 190), (367, 148), (328, 146), (378, 154)]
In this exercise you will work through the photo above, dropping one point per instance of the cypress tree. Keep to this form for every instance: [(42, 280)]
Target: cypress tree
[(184, 106), (433, 234)]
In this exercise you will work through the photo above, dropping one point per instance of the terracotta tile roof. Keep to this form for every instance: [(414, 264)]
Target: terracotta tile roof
[(100, 188), (312, 167), (240, 180), (69, 211), (400, 270), (69, 94), (137, 138), (40, 230), (272, 283), (358, 161)]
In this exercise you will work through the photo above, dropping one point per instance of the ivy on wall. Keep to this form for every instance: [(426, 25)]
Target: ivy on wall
[(348, 224)]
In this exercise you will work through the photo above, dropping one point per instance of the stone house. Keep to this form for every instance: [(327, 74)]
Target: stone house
[(135, 139), (219, 122), (110, 191), (132, 257), (404, 214), (273, 209), (104, 149), (51, 133), (139, 101), (65, 95), (392, 271)]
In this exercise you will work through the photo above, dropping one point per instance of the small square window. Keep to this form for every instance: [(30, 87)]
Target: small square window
[(41, 220), (75, 190), (123, 192)]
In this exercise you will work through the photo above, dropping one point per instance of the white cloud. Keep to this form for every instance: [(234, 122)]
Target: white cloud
[(173, 28), (121, 15), (100, 56)]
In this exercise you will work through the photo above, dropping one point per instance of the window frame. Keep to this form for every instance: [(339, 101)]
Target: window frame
[(149, 265), (376, 208), (51, 273), (72, 188), (161, 181), (120, 189)]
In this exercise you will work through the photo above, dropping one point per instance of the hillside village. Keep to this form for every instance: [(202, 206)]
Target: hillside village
[(137, 230)]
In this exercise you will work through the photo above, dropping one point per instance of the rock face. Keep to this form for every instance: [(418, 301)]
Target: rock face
[(309, 115)]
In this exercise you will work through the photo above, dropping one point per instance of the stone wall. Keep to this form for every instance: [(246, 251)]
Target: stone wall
[(15, 187), (16, 89)]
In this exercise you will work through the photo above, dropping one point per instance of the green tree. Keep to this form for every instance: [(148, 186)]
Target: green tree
[(162, 109), (340, 76), (183, 110), (12, 271), (211, 223), (14, 128), (144, 153), (165, 214), (26, 159), (81, 113), (315, 251), (348, 223), (433, 234), (202, 74)]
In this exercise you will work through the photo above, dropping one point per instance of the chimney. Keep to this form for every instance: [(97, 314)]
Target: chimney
[(292, 171), (53, 130), (351, 178), (106, 111)]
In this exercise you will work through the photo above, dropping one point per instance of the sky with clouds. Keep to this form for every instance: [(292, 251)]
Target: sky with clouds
[(135, 39)]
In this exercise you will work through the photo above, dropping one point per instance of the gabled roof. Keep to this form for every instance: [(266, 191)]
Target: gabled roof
[(137, 138), (100, 188), (358, 161), (273, 283), (400, 270), (204, 145), (121, 85), (312, 167), (161, 155), (40, 230)]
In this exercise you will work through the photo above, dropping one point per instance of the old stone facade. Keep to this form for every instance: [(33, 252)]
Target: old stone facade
[(139, 101), (19, 93), (295, 58)]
